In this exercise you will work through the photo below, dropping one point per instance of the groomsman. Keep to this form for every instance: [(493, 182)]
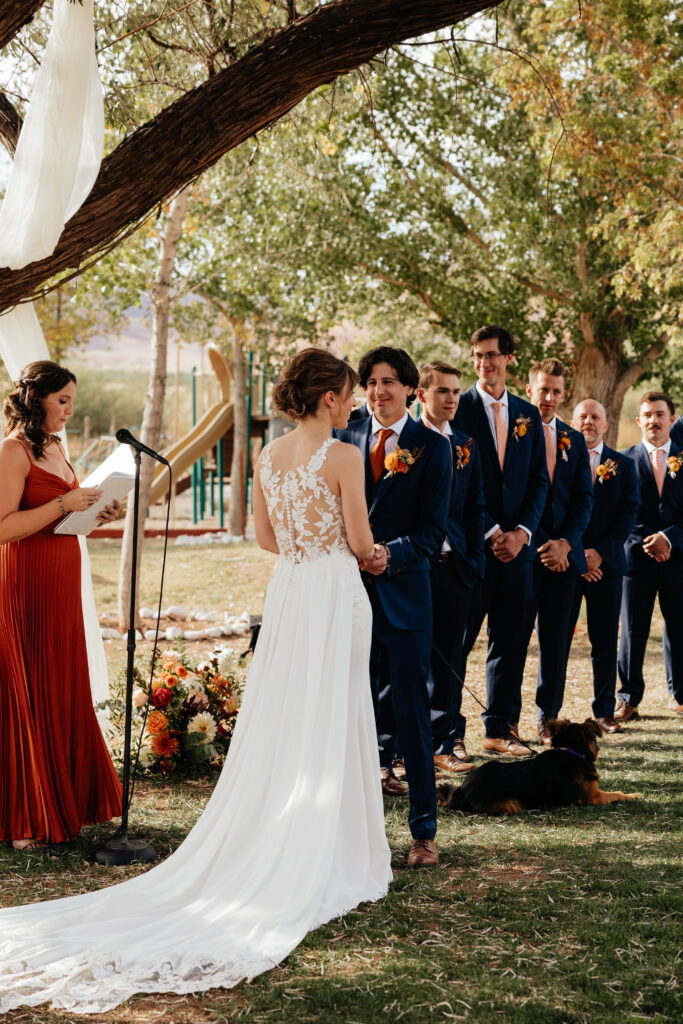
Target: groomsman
[(616, 499), (407, 488), (673, 705), (509, 434), (558, 540), (459, 567), (654, 554)]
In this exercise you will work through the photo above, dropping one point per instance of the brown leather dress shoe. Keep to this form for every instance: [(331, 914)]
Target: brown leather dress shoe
[(608, 724), (498, 745), (625, 712), (450, 764), (390, 784), (459, 750), (423, 854), (543, 730), (399, 768), (673, 705)]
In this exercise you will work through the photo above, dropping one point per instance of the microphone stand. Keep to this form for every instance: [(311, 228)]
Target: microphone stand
[(122, 850)]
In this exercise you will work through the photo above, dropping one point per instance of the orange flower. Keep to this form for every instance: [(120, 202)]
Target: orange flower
[(180, 671), (165, 745), (391, 462), (602, 470), (169, 680), (521, 430), (157, 723)]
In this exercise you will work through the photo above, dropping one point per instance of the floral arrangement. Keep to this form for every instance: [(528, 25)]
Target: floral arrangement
[(463, 454), (564, 445), (192, 711), (675, 464), (522, 424), (606, 469), (401, 460)]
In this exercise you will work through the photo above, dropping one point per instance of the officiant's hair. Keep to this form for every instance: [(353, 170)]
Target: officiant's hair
[(307, 376), (24, 413)]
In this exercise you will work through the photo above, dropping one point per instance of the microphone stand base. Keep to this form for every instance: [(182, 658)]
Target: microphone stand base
[(115, 851)]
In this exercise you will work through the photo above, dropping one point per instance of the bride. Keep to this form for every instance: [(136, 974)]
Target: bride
[(294, 832)]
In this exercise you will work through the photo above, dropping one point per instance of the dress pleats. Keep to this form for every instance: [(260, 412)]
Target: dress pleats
[(55, 771)]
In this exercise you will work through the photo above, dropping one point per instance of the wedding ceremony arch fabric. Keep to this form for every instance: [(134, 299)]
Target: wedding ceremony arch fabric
[(57, 159)]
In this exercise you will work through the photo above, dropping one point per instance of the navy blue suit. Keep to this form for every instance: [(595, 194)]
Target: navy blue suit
[(453, 579), (616, 501), (407, 513), (646, 579), (360, 413), (676, 446), (514, 496), (566, 514)]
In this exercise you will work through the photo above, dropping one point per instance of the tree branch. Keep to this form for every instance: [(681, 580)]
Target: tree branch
[(14, 14), (252, 93), (10, 124), (633, 373)]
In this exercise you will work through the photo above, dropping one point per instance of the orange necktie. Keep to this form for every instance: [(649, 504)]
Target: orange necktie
[(595, 459), (550, 451), (501, 432), (377, 453), (658, 460)]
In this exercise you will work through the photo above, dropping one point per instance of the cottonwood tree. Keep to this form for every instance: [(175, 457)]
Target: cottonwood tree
[(254, 79), (532, 179)]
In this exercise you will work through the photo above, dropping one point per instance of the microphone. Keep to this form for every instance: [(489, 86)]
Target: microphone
[(125, 437)]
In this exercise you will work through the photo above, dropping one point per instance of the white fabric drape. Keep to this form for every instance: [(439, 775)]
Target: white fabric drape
[(55, 165)]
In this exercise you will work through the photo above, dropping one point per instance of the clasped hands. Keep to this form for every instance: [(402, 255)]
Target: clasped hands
[(554, 555), (376, 564), (657, 547), (506, 546)]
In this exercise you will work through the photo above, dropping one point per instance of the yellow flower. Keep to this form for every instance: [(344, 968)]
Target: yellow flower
[(521, 429)]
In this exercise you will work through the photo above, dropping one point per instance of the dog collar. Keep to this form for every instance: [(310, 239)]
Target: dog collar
[(570, 750)]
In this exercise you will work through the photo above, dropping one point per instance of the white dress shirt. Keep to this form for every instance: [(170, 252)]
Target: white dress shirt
[(666, 448), (446, 432), (392, 441), (488, 401)]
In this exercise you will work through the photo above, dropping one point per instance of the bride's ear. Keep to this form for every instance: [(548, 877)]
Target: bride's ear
[(329, 399)]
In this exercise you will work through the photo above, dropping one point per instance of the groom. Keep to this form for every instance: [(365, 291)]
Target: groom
[(407, 488)]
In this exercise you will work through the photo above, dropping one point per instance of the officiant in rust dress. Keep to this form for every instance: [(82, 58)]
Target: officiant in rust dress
[(55, 768)]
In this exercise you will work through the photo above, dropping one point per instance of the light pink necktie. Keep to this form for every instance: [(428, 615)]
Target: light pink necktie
[(550, 451), (595, 460), (658, 459), (501, 431)]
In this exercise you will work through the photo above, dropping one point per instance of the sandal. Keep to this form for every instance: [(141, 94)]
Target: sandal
[(23, 845)]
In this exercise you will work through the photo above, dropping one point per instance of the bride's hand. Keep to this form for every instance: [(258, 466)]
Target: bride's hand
[(378, 563)]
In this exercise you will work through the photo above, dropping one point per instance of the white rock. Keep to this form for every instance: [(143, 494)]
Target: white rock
[(138, 635), (110, 634), (195, 634), (173, 633), (198, 615), (211, 617), (177, 611), (214, 632), (147, 613), (151, 634), (227, 630)]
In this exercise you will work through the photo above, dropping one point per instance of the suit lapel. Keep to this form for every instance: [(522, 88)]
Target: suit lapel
[(406, 439), (647, 473), (483, 428)]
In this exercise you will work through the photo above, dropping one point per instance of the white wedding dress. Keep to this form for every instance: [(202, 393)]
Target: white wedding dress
[(293, 834)]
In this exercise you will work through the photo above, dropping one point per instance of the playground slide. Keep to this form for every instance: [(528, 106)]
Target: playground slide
[(213, 425)]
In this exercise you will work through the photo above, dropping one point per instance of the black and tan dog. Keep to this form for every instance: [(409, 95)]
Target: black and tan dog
[(564, 775)]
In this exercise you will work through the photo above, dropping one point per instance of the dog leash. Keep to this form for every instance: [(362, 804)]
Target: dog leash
[(462, 682)]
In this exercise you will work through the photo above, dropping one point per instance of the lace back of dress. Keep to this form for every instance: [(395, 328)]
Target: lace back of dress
[(306, 516)]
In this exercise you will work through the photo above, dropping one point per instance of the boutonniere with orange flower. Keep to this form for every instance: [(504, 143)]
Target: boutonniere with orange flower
[(521, 427), (463, 454), (401, 460), (675, 464), (564, 445), (606, 469)]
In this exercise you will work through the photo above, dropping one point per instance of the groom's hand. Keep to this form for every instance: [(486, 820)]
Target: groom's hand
[(378, 563)]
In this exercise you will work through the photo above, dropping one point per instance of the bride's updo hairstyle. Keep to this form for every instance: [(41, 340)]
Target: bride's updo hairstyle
[(24, 413), (307, 376)]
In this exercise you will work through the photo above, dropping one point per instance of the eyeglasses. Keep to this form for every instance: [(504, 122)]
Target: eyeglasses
[(487, 357)]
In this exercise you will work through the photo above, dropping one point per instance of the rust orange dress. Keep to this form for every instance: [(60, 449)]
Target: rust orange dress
[(55, 771)]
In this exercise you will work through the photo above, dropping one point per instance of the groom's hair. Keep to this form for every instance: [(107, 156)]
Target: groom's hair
[(398, 360), (506, 343)]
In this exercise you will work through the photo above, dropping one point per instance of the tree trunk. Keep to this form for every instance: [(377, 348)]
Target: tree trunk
[(14, 14), (154, 404), (239, 450), (252, 93), (599, 373)]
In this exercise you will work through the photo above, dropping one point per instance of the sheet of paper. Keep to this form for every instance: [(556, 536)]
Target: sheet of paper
[(115, 476)]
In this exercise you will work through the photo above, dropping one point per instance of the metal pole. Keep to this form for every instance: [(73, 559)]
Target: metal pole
[(194, 465), (247, 468), (219, 460)]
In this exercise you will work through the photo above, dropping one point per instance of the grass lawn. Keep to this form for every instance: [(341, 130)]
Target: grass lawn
[(550, 918)]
